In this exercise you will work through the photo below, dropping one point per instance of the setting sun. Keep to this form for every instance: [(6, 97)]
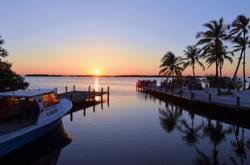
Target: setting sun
[(97, 72)]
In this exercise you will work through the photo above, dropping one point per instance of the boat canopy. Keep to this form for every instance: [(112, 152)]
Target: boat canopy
[(26, 93)]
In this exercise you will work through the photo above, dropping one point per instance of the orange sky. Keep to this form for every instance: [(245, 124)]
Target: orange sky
[(107, 58), (115, 37)]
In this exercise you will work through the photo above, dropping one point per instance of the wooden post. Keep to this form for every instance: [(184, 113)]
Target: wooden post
[(101, 94), (56, 90), (94, 95), (71, 116), (108, 97), (71, 97), (94, 107), (89, 89), (209, 98), (66, 89), (238, 103), (84, 111), (101, 105), (192, 96), (136, 86), (74, 87), (94, 100)]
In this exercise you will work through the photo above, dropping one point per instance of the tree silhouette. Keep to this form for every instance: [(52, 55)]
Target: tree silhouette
[(171, 65), (238, 35), (192, 56), (210, 40), (8, 78)]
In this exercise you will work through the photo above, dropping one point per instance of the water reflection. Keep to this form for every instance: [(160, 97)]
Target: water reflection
[(87, 107), (240, 145), (169, 117), (96, 84), (45, 150), (213, 141), (190, 131), (216, 134)]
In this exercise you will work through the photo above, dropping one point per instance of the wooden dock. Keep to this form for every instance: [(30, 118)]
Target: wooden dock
[(239, 101), (81, 97)]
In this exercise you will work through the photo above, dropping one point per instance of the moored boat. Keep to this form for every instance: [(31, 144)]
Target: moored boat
[(28, 114)]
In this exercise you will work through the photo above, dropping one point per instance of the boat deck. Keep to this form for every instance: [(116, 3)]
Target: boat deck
[(14, 123)]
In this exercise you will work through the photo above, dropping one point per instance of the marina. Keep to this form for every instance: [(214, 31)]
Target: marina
[(125, 82)]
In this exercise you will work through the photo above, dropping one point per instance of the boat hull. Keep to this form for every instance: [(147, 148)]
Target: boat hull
[(20, 141)]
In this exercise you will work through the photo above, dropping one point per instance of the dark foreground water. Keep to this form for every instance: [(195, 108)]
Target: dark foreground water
[(134, 129)]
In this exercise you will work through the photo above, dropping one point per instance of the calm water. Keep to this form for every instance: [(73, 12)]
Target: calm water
[(138, 129)]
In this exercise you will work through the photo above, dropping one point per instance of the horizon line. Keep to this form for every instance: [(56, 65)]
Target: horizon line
[(118, 75)]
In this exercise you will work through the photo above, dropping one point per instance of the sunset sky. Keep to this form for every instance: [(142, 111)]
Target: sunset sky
[(112, 36)]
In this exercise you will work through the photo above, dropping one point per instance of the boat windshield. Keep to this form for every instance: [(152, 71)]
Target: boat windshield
[(17, 112), (49, 99)]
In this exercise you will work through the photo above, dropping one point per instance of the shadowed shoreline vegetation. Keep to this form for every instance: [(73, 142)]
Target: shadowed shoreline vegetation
[(9, 79)]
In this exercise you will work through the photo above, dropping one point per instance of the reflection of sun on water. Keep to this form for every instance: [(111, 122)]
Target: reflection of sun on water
[(96, 85)]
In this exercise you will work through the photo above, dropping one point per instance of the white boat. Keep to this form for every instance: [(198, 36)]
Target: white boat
[(28, 114)]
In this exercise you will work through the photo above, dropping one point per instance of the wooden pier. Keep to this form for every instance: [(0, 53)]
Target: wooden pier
[(237, 102), (81, 97)]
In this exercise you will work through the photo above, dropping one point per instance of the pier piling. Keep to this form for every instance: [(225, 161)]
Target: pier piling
[(209, 98), (66, 89), (101, 94), (84, 111), (71, 116), (192, 96), (237, 103)]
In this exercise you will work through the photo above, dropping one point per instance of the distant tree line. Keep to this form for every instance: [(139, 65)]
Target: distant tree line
[(217, 44), (9, 80)]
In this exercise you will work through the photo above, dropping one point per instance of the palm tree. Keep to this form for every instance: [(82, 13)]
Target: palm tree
[(192, 56), (223, 55), (211, 39), (239, 33), (240, 45), (171, 65)]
